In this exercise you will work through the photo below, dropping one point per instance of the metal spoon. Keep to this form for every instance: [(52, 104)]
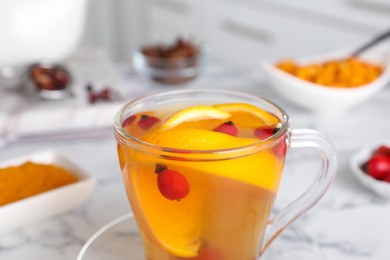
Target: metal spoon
[(371, 43)]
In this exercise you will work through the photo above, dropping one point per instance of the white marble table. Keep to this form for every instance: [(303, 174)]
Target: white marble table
[(349, 223)]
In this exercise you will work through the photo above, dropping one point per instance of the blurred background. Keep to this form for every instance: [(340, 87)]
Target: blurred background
[(241, 31), (237, 31), (68, 66), (84, 52)]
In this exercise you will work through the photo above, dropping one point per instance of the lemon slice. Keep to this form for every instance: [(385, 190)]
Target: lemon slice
[(248, 116), (196, 117)]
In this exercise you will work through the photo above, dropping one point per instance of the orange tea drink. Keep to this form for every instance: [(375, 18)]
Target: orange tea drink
[(202, 168), (191, 200)]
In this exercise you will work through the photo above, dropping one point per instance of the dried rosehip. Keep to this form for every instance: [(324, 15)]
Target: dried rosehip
[(49, 78), (172, 184), (227, 128), (181, 54), (147, 122), (378, 167), (61, 78)]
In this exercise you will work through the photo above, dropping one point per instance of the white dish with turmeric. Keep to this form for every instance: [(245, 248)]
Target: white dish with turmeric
[(40, 186)]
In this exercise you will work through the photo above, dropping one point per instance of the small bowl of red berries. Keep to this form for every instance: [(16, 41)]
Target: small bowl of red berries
[(371, 166)]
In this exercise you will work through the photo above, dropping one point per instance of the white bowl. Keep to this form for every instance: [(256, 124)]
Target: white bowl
[(328, 100), (36, 208), (381, 188)]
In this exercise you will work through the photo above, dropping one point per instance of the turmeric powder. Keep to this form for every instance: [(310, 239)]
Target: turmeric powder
[(19, 182)]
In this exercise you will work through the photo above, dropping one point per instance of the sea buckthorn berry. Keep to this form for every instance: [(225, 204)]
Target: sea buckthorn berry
[(172, 184), (147, 122), (227, 128), (342, 73)]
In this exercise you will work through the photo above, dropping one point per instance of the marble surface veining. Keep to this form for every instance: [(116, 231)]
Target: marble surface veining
[(349, 223)]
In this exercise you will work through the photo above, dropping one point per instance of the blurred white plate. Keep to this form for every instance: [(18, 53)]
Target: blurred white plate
[(36, 208), (328, 100), (381, 188)]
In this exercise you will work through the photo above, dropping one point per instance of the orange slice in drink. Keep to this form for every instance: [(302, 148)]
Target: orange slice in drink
[(196, 117), (247, 115), (180, 234), (241, 169)]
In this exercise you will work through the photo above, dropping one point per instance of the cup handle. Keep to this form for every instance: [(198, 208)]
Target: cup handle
[(305, 138)]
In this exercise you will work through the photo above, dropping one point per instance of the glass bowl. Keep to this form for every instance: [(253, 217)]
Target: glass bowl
[(50, 79), (168, 71)]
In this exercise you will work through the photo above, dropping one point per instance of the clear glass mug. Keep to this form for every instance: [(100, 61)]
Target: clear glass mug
[(222, 218)]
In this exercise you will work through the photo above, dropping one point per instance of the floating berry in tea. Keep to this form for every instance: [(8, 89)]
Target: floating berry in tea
[(128, 121), (227, 128), (172, 184), (209, 254), (265, 132), (147, 122)]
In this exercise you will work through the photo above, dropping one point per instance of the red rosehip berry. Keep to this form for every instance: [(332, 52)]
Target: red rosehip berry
[(387, 179), (378, 167), (172, 184), (227, 128), (384, 150), (209, 254), (147, 122), (106, 94), (92, 97), (265, 132), (128, 121)]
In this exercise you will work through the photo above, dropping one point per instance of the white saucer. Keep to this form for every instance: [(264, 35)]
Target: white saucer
[(120, 240)]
